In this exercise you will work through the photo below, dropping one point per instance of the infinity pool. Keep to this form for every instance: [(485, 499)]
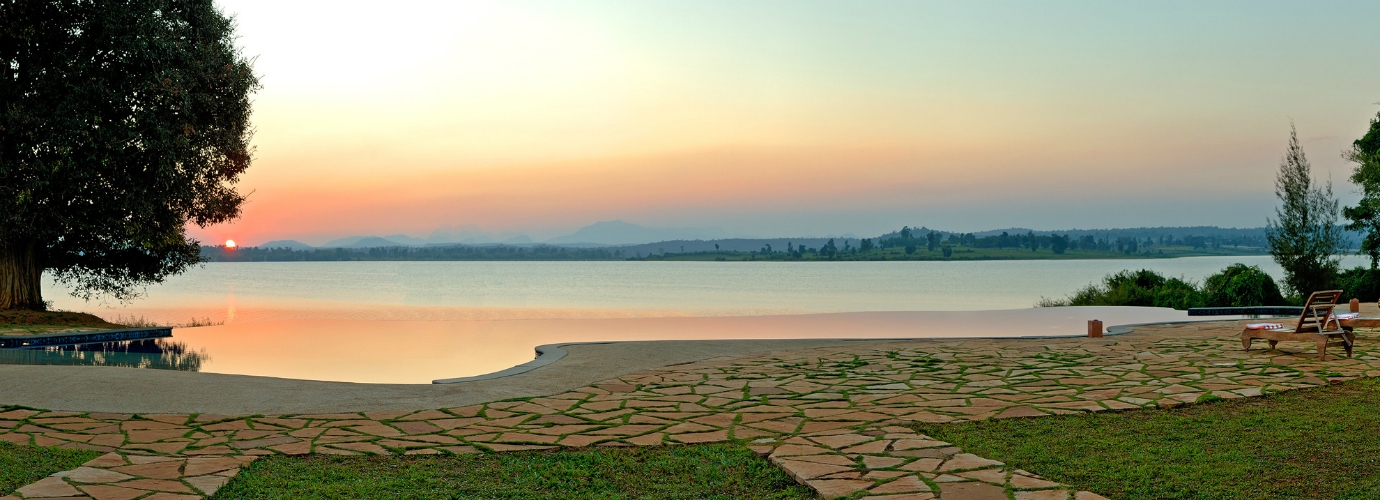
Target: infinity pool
[(417, 352)]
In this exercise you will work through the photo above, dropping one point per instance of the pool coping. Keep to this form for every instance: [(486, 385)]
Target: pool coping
[(551, 353)]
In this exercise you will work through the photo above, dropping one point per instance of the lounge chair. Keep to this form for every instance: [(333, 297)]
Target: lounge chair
[(1317, 324)]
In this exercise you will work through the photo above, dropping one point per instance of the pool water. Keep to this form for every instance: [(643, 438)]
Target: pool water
[(414, 322), (418, 352)]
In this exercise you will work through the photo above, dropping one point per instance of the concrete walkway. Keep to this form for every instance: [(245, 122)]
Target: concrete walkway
[(834, 416)]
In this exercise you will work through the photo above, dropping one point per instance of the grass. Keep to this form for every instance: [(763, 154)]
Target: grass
[(21, 465), (1314, 443), (133, 321), (24, 322), (721, 471)]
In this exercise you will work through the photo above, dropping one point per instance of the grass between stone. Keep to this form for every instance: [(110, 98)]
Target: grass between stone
[(21, 465), (1311, 443), (723, 471)]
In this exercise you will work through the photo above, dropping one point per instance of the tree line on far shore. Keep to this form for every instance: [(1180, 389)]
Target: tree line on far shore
[(400, 253), (1304, 239)]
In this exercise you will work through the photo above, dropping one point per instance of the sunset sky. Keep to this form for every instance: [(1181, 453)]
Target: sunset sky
[(790, 118)]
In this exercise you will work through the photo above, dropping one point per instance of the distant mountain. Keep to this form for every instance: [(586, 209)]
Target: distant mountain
[(617, 232), (403, 239), (374, 242), (290, 244), (471, 234), (344, 242)]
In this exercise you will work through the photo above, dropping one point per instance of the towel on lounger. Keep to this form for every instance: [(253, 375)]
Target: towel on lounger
[(1264, 326), (1348, 316)]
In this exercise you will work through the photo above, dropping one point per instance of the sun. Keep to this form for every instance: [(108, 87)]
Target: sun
[(230, 244)]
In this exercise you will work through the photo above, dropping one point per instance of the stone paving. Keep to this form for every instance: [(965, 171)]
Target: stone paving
[(834, 418)]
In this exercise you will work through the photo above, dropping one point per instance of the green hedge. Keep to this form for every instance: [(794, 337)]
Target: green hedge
[(1238, 285), (1360, 283)]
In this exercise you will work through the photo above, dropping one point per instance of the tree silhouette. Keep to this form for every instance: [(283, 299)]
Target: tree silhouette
[(1304, 237), (1365, 216), (123, 122)]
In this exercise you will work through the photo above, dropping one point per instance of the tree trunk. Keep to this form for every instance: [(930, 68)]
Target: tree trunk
[(20, 276)]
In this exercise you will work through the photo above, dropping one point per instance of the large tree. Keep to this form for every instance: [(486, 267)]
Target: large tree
[(1365, 216), (122, 122), (1304, 237)]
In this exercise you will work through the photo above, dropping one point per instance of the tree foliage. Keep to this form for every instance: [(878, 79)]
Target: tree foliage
[(1365, 216), (1143, 288), (1240, 285), (123, 121), (1304, 237), (1360, 283)]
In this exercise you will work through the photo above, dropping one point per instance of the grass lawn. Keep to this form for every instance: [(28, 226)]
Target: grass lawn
[(21, 465), (689, 472), (1313, 443), (34, 322)]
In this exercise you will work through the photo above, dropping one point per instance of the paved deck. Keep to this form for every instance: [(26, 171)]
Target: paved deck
[(835, 417)]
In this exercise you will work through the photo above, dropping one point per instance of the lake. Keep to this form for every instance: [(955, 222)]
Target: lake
[(273, 291), (412, 322)]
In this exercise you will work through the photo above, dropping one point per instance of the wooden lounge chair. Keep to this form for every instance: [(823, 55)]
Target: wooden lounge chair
[(1317, 324)]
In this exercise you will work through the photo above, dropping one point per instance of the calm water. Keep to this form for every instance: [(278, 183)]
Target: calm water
[(412, 322), (272, 291), (421, 351)]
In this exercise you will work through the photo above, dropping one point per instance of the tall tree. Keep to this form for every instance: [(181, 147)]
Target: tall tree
[(123, 121), (1304, 237), (1365, 216)]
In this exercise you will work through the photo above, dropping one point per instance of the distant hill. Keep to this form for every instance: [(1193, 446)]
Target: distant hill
[(347, 242), (470, 234), (403, 239), (1112, 233), (617, 232), (291, 244), (728, 245), (373, 242)]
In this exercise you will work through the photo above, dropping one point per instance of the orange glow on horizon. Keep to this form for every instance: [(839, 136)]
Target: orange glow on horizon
[(537, 118), (230, 244)]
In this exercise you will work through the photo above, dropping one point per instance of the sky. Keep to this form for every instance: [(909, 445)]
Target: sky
[(790, 118)]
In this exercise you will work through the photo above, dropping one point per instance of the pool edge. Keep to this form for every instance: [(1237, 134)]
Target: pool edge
[(551, 353)]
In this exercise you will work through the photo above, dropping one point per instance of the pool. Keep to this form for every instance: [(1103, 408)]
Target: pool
[(418, 352)]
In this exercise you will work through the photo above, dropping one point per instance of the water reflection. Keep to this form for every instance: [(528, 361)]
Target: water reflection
[(417, 352), (162, 354)]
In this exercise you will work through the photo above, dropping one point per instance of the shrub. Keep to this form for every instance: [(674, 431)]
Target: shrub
[(1143, 288), (1178, 294), (1240, 285), (1360, 283)]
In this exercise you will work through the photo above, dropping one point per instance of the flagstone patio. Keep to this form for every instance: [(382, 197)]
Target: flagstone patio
[(835, 418)]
